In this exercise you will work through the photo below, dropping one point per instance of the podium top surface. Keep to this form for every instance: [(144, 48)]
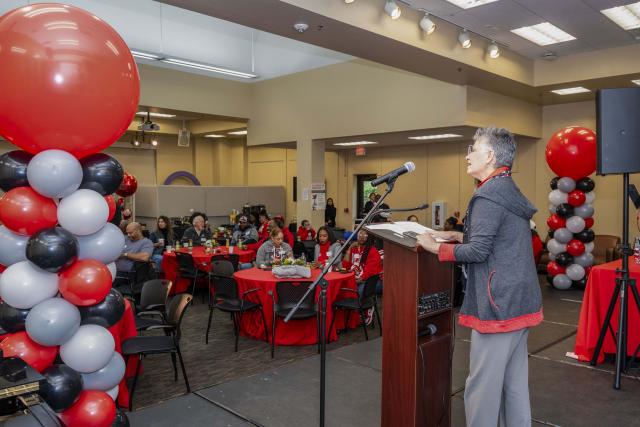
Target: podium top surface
[(392, 236)]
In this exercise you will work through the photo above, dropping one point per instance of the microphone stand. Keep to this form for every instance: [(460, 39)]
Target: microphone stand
[(323, 296)]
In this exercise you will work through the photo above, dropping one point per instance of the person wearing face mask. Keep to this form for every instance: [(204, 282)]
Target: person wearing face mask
[(197, 234), (325, 249), (502, 298), (330, 213), (274, 248)]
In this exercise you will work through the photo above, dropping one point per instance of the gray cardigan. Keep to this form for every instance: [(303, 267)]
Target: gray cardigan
[(333, 249), (265, 252)]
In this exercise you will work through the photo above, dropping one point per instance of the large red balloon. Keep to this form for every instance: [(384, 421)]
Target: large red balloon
[(575, 247), (86, 282), (576, 198), (111, 202), (588, 222), (128, 186), (572, 152), (26, 212), (553, 268), (68, 80), (555, 221), (92, 409), (39, 357)]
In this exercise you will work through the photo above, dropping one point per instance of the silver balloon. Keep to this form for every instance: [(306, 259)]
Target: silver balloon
[(561, 282), (557, 197), (24, 285), (112, 269), (89, 349), (556, 247), (53, 322), (113, 393), (575, 224), (590, 197), (585, 210), (105, 245), (562, 235), (54, 173), (588, 247), (84, 212), (12, 247), (585, 259), (566, 184), (552, 257), (575, 272), (108, 377), (552, 208)]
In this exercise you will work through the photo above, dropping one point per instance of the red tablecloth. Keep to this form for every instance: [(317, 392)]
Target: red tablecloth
[(121, 331), (595, 303), (296, 332), (201, 259)]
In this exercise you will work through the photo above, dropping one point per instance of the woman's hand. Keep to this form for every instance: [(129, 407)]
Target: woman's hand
[(448, 235), (427, 242)]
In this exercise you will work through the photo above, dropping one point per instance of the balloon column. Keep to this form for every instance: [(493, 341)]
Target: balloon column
[(62, 103), (571, 154)]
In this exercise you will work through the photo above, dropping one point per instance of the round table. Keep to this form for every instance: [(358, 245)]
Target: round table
[(201, 259), (296, 332)]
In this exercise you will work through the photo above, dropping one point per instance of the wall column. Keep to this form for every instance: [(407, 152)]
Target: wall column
[(310, 168)]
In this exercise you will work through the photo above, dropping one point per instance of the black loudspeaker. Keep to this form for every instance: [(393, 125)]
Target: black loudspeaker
[(618, 130)]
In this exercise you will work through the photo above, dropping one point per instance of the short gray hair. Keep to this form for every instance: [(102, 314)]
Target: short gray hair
[(502, 142)]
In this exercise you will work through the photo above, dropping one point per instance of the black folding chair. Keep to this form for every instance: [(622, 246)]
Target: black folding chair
[(187, 270), (359, 303), (288, 294), (142, 346), (153, 303), (234, 259), (130, 283)]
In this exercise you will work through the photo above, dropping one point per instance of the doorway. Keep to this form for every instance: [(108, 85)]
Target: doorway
[(363, 190)]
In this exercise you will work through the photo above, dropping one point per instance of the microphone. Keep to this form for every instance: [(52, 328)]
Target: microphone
[(407, 167), (417, 208)]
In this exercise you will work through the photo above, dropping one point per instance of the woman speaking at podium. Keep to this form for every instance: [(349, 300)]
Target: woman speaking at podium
[(502, 297)]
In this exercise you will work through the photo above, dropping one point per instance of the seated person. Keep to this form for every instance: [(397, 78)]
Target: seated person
[(325, 249), (162, 237), (246, 232), (136, 248), (305, 231), (263, 228), (197, 234), (275, 248), (451, 224), (288, 236), (412, 218)]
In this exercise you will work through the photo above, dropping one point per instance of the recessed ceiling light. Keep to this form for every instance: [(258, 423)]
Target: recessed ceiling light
[(214, 135), (441, 136), (349, 1), (543, 34), (238, 132), (571, 90), (636, 82), (154, 142), (627, 17), (164, 115), (467, 4), (349, 144)]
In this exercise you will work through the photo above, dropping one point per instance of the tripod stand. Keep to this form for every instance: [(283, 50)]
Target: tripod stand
[(623, 285)]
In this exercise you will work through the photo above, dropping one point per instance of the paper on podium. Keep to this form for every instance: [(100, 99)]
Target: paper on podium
[(401, 227)]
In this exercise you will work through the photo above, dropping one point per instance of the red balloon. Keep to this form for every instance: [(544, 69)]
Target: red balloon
[(577, 198), (572, 152), (39, 357), (555, 221), (26, 212), (128, 186), (553, 268), (68, 80), (92, 409), (111, 202), (86, 282), (588, 222), (575, 247)]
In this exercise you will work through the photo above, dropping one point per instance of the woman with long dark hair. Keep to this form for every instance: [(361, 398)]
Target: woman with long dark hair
[(364, 259), (330, 213), (326, 248), (161, 238)]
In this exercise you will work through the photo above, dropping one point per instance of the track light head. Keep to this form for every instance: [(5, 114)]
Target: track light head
[(464, 39), (493, 50), (427, 25), (392, 9)]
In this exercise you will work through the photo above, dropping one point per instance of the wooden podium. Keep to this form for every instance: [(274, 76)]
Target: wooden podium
[(416, 365)]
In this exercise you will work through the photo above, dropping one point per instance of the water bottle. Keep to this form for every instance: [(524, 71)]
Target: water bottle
[(636, 251)]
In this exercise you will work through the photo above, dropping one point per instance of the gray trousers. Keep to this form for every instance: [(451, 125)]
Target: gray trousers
[(497, 389)]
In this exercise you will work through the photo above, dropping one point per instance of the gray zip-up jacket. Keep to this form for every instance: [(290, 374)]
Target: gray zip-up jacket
[(502, 293), (265, 252)]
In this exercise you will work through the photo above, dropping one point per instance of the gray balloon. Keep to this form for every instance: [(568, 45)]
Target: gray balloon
[(556, 247), (575, 272), (552, 208), (552, 257), (588, 247), (590, 197), (566, 184), (585, 259), (23, 285), (113, 392), (562, 235), (53, 322), (585, 210), (12, 247), (108, 377), (113, 270), (89, 349), (84, 212), (557, 197), (561, 282), (575, 224), (54, 173), (105, 245)]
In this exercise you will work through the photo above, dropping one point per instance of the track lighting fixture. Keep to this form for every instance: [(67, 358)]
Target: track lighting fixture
[(427, 25), (392, 9), (493, 50), (464, 39)]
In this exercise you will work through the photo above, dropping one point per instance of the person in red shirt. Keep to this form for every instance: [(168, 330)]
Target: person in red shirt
[(325, 249), (364, 259), (288, 237), (305, 231), (263, 228)]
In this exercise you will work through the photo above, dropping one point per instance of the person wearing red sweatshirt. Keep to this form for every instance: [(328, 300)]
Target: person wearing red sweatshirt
[(306, 232), (364, 259)]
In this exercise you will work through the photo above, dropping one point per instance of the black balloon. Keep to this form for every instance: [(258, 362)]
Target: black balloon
[(550, 279), (554, 183), (62, 388), (121, 419), (585, 236), (106, 313), (564, 259), (580, 284), (585, 184), (550, 233), (565, 210), (101, 173), (52, 249), (12, 319), (13, 169)]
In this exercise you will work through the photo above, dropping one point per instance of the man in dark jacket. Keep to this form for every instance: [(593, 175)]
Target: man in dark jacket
[(502, 297)]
